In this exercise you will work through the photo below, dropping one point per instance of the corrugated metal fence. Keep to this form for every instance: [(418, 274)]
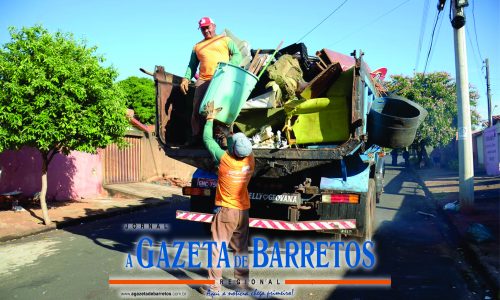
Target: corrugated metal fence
[(123, 165)]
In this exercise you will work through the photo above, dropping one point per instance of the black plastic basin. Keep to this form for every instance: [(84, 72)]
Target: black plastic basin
[(393, 121)]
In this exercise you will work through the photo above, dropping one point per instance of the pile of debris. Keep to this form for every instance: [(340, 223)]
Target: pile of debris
[(296, 94)]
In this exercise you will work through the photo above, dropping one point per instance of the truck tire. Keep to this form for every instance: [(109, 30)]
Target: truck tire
[(369, 217)]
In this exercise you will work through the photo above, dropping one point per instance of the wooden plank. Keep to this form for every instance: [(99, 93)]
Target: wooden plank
[(322, 82), (257, 61), (254, 59), (261, 63)]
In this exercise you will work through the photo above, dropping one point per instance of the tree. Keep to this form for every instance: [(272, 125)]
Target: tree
[(436, 92), (140, 96), (55, 97)]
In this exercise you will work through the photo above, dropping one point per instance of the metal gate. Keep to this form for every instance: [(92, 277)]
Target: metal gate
[(123, 165)]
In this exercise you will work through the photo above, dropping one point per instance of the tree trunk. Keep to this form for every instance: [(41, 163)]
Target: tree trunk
[(43, 192)]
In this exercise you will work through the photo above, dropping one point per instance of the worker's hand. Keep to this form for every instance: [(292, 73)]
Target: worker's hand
[(184, 86), (210, 111)]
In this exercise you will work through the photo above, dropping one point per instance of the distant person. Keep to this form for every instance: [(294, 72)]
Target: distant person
[(232, 201), (207, 54), (406, 157), (394, 154)]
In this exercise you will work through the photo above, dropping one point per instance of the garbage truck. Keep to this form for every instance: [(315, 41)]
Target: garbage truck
[(309, 119)]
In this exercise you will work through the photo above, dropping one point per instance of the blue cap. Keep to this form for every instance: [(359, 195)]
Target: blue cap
[(240, 146)]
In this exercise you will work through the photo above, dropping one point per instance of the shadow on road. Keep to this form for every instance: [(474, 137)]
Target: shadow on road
[(413, 248)]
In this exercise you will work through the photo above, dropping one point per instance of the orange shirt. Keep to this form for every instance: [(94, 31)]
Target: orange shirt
[(234, 176), (209, 53)]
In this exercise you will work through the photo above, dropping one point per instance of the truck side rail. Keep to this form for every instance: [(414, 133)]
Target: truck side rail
[(286, 160), (337, 152)]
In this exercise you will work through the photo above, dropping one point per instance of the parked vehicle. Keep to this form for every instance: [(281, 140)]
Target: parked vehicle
[(327, 178)]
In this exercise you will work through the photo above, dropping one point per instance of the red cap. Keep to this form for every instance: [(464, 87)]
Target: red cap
[(205, 21)]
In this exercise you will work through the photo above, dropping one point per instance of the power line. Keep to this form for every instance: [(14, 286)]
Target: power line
[(437, 35), (338, 7), (475, 57), (422, 30), (481, 69), (432, 39), (432, 49), (370, 23), (475, 32)]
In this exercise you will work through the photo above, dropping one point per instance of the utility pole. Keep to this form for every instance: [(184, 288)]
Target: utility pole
[(465, 160), (488, 92)]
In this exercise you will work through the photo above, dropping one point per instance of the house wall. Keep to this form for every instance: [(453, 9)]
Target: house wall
[(479, 150), (79, 175), (491, 149), (474, 152), (75, 176), (498, 136)]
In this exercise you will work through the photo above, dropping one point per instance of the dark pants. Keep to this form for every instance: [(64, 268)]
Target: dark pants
[(406, 157), (197, 121), (230, 225)]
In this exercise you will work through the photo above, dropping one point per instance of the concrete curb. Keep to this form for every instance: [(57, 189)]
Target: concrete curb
[(115, 211), (471, 252), (114, 191), (121, 194), (26, 234)]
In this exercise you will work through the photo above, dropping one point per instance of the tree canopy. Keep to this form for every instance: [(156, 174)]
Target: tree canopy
[(56, 97), (436, 92), (140, 96)]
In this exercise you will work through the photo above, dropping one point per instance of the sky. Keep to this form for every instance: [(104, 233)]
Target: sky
[(395, 34)]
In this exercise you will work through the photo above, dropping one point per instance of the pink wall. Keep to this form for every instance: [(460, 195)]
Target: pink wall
[(490, 148), (76, 176)]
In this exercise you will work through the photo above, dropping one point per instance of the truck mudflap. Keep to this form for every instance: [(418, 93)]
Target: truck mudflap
[(318, 225)]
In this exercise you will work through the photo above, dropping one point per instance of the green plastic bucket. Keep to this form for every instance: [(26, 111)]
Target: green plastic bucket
[(229, 89)]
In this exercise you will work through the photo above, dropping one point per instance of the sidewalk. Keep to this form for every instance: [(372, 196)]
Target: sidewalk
[(123, 198), (443, 186)]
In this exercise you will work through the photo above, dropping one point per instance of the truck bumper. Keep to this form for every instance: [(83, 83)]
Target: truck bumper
[(347, 224)]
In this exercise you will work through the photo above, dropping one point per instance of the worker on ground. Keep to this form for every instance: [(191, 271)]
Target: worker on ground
[(232, 202), (206, 54)]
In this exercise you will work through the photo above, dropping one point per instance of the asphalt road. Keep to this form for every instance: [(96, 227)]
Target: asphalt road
[(412, 248)]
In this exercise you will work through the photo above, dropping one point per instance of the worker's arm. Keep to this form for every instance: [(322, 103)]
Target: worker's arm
[(191, 69), (193, 65), (235, 54), (210, 143)]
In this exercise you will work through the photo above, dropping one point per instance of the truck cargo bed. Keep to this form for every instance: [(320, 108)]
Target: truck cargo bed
[(347, 89)]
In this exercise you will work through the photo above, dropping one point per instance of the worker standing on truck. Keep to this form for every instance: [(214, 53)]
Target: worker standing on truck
[(231, 221), (207, 54)]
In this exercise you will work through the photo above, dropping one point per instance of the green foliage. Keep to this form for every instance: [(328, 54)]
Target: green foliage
[(55, 96), (436, 92), (140, 96)]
